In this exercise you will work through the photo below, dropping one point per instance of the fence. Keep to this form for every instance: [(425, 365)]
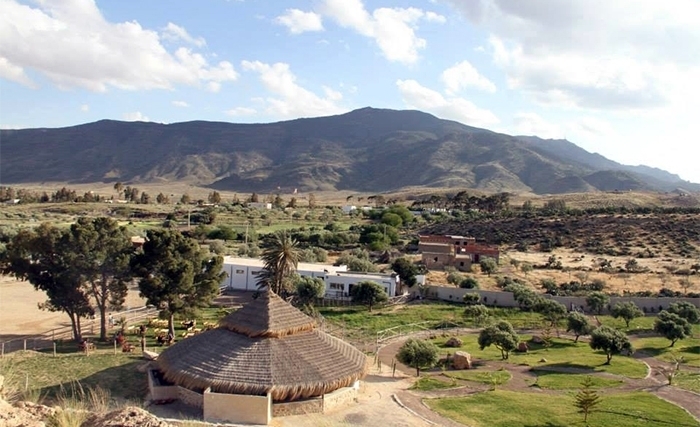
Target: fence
[(389, 334), (46, 339)]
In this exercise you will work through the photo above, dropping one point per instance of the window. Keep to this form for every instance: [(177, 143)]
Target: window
[(240, 271), (337, 286), (254, 273)]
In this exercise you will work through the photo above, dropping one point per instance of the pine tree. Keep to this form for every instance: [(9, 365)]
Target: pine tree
[(587, 398)]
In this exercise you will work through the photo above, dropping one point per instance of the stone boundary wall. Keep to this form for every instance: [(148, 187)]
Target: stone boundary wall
[(300, 407), (340, 398), (190, 397), (506, 299)]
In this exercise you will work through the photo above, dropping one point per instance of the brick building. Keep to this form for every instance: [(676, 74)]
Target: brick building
[(460, 252)]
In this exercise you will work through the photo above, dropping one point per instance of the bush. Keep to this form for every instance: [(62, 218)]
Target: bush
[(469, 283)]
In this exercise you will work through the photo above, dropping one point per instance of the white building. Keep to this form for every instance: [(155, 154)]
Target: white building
[(348, 209), (260, 205), (243, 275), (338, 285)]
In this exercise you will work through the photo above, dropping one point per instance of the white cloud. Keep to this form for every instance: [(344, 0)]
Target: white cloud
[(435, 17), (454, 108), (298, 21), (84, 108), (595, 54), (289, 98), (463, 75), (135, 116), (393, 29), (241, 111), (180, 104), (173, 32), (14, 73), (532, 124), (72, 44)]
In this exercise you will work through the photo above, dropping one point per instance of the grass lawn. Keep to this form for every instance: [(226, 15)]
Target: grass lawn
[(689, 348), (557, 381), (638, 325), (431, 383), (498, 377), (688, 380), (502, 408), (360, 320), (563, 353), (48, 374)]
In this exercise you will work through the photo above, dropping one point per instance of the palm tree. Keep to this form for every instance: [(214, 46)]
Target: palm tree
[(281, 257)]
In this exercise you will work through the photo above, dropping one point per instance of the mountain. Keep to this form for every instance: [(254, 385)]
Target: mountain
[(645, 176), (369, 149)]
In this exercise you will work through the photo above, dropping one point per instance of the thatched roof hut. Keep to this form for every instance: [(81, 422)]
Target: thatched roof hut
[(267, 346)]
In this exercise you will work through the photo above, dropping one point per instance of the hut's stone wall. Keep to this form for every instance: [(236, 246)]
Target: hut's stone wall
[(190, 397), (342, 397), (300, 407), (161, 392), (237, 408)]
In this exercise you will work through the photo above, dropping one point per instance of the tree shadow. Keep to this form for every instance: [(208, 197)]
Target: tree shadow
[(123, 383)]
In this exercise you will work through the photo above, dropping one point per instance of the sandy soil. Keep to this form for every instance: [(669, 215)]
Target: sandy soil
[(375, 406), (579, 265), (20, 315)]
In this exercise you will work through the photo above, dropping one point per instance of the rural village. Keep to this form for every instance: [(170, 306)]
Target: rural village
[(341, 310)]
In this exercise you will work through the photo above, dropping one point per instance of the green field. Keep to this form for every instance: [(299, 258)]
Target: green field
[(481, 376), (563, 353), (502, 408), (688, 348), (431, 383), (55, 376), (558, 381)]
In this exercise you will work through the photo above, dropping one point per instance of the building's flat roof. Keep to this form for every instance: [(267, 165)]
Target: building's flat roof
[(362, 274), (302, 266)]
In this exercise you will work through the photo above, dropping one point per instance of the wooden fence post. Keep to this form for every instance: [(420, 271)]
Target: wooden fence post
[(25, 344)]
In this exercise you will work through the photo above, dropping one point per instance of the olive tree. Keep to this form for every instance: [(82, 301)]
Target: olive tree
[(501, 335), (578, 324), (368, 293), (596, 301), (628, 311), (419, 354), (685, 310), (672, 326), (610, 341)]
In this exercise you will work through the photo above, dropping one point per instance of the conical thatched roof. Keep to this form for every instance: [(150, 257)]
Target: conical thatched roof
[(266, 346), (267, 316)]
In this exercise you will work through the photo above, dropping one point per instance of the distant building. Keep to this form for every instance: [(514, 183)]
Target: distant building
[(260, 205), (460, 252), (348, 209), (243, 275)]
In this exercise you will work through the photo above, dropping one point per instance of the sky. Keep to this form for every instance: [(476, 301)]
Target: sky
[(621, 78)]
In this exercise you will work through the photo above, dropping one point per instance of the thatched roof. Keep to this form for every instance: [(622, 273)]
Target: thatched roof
[(267, 316), (271, 347)]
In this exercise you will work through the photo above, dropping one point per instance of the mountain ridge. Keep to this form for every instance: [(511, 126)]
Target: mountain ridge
[(368, 149)]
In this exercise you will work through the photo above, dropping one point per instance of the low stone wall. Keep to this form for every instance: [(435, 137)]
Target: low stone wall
[(190, 397), (237, 408), (300, 407), (340, 398), (506, 299), (160, 392)]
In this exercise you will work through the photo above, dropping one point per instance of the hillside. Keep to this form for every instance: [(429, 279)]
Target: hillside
[(372, 150)]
